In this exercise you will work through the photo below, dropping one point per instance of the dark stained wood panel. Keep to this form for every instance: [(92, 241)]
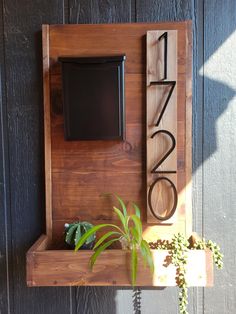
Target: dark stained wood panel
[(102, 11), (23, 63), (5, 227), (167, 10)]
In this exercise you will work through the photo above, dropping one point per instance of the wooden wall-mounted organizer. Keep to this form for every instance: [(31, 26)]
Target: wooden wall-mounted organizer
[(158, 123)]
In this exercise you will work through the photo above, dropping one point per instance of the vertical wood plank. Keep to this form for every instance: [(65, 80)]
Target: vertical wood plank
[(154, 11), (103, 11), (99, 300), (4, 185), (23, 62), (4, 205), (197, 150), (189, 133), (157, 147), (163, 10), (219, 147), (47, 130)]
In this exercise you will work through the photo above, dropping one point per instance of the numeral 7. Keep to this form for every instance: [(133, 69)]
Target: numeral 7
[(172, 84)]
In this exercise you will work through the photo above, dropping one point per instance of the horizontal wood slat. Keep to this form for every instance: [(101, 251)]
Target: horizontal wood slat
[(67, 268)]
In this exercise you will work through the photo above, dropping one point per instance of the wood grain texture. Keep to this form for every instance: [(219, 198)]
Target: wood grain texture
[(108, 300), (197, 138), (81, 171), (5, 288), (162, 197), (104, 298), (47, 129), (103, 11), (112, 268), (219, 145), (189, 132), (72, 193), (169, 10), (23, 62)]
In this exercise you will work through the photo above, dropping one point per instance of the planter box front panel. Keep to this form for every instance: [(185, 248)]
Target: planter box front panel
[(67, 268)]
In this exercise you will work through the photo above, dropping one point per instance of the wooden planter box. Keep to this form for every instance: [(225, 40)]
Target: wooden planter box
[(68, 268)]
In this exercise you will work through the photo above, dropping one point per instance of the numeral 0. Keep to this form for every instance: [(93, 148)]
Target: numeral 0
[(172, 211)]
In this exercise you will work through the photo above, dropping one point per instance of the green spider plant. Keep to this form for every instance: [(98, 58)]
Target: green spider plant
[(129, 235)]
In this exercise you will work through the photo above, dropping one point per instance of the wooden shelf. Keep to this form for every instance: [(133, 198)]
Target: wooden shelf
[(66, 268)]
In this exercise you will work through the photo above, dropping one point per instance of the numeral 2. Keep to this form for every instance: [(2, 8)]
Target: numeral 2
[(154, 170)]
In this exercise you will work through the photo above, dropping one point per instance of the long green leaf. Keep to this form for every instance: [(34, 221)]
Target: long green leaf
[(135, 235), (92, 231), (120, 216), (143, 252), (122, 204), (137, 210), (101, 248), (134, 263), (87, 226), (138, 225), (104, 237), (148, 254)]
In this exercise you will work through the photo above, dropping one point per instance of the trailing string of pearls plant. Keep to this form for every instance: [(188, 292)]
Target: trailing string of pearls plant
[(178, 248)]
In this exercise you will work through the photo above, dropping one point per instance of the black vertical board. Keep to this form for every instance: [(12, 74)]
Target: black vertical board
[(158, 11), (23, 64), (4, 252), (98, 300), (4, 184), (103, 11), (163, 10), (219, 147)]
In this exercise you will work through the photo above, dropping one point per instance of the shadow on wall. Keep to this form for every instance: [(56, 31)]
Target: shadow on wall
[(213, 103), (213, 108)]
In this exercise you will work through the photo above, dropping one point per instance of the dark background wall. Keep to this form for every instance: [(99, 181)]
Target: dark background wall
[(21, 149)]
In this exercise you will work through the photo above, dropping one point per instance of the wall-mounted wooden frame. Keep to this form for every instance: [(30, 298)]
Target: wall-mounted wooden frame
[(77, 173)]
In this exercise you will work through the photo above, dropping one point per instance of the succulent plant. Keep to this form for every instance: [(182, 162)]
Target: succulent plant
[(74, 231)]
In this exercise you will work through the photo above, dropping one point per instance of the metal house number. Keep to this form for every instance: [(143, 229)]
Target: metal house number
[(171, 84)]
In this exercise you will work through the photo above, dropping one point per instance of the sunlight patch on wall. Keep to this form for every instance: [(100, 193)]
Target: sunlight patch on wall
[(221, 66)]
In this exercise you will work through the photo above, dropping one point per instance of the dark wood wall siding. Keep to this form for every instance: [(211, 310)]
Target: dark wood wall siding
[(21, 149)]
